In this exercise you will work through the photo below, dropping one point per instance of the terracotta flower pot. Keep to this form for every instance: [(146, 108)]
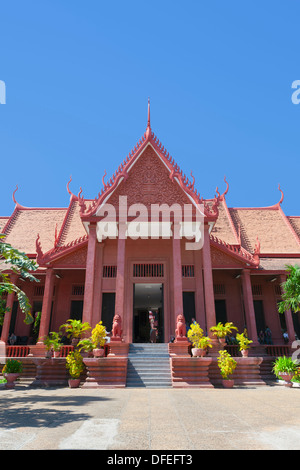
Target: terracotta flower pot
[(287, 378), (198, 352), (98, 352), (11, 378), (227, 383), (74, 383)]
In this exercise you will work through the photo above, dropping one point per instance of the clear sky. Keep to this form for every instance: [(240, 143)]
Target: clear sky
[(218, 73)]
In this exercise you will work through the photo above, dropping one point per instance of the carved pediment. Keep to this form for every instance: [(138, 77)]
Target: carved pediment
[(220, 259), (149, 183), (76, 258)]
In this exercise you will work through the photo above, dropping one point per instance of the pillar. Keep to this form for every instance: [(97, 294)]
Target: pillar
[(249, 307), (208, 282), (120, 279), (87, 315), (288, 315), (199, 292), (97, 301), (47, 304), (177, 273), (7, 316)]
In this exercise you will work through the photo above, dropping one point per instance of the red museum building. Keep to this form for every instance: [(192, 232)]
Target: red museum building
[(236, 275)]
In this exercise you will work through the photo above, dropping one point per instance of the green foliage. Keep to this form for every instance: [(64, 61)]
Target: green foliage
[(291, 288), (195, 335), (85, 344), (226, 364), (74, 364), (12, 366), (53, 341), (98, 335), (284, 364), (16, 261), (221, 330), (75, 328), (244, 342)]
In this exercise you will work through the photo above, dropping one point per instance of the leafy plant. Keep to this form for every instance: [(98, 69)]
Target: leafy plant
[(74, 364), (284, 364), (16, 261), (244, 342), (195, 335), (226, 364), (221, 330), (85, 344), (53, 341), (291, 290), (98, 335), (12, 366), (75, 328)]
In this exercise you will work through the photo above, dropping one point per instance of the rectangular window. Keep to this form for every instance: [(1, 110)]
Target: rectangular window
[(188, 271), (109, 271), (148, 270)]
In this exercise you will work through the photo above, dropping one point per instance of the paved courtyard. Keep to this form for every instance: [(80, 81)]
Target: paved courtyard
[(150, 419)]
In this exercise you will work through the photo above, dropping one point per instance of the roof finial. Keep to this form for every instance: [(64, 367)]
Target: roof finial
[(148, 131)]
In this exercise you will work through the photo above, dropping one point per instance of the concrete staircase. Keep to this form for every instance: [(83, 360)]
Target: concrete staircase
[(148, 366)]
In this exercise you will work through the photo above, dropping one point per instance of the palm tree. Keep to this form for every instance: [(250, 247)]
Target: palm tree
[(291, 290), (16, 261)]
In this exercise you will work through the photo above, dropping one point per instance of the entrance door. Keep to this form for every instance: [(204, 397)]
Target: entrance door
[(147, 297)]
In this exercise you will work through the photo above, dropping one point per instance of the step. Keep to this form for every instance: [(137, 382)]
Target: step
[(148, 366)]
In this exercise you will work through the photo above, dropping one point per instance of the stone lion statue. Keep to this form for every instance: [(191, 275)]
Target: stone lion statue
[(117, 326), (180, 326)]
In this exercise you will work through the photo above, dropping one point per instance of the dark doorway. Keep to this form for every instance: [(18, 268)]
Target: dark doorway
[(108, 309), (259, 315), (147, 297), (189, 306), (221, 314), (76, 310)]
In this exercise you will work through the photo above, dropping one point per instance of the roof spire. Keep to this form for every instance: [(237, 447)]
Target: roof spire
[(148, 131)]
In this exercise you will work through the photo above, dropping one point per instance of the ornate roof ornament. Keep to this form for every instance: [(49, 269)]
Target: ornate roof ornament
[(282, 195), (39, 251)]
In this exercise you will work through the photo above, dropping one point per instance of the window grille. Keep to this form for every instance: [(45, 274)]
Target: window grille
[(109, 271), (188, 271), (219, 289), (257, 289), (39, 291), (148, 270), (78, 290)]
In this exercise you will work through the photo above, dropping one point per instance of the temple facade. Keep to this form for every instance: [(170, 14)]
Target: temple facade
[(91, 268)]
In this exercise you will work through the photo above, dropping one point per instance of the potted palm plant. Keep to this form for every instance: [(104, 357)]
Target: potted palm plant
[(200, 342), (74, 364), (85, 347), (285, 368), (98, 339), (227, 366), (244, 343), (53, 344), (11, 372), (222, 330), (74, 330)]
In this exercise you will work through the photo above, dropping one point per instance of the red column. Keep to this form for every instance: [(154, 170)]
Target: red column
[(7, 316), (208, 282), (199, 292), (47, 304), (249, 307), (87, 315), (288, 315), (97, 301), (120, 279), (177, 274)]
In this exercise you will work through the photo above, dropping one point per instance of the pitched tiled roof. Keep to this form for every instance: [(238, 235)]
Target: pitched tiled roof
[(23, 226)]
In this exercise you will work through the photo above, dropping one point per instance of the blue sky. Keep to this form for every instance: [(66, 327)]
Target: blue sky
[(219, 75)]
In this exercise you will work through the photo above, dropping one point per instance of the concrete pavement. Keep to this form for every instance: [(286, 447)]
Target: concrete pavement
[(266, 417)]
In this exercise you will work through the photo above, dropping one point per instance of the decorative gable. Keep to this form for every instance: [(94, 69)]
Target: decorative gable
[(149, 182)]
